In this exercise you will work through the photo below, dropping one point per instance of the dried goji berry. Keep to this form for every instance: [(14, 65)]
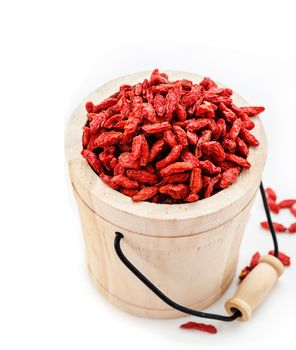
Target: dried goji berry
[(192, 197), (175, 168), (229, 176), (142, 176), (208, 328), (197, 124), (156, 128), (105, 104), (144, 152), (235, 129), (176, 178), (125, 182), (273, 206), (181, 112), (148, 112), (209, 167), (292, 228), (108, 138), (270, 193), (293, 210), (213, 150), (287, 203), (192, 137), (195, 181), (172, 101), (255, 260), (145, 193), (127, 160), (92, 160), (191, 97), (252, 111), (285, 259), (248, 137), (156, 149), (241, 147), (86, 136), (210, 187), (187, 156), (159, 104), (180, 135), (277, 227), (238, 160), (179, 191), (170, 158), (129, 192), (206, 109)]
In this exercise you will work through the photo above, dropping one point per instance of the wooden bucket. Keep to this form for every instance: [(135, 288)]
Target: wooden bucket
[(189, 251)]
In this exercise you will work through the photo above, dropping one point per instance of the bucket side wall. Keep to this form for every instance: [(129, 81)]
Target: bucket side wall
[(192, 270)]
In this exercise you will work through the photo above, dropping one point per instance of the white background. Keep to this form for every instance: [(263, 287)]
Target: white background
[(53, 54)]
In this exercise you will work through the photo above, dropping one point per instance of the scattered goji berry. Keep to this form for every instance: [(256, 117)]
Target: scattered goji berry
[(285, 259), (270, 193), (208, 328), (277, 227), (273, 206), (292, 228), (293, 210), (287, 203)]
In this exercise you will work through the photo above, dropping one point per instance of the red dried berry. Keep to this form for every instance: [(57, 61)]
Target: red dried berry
[(229, 176), (277, 227), (170, 158), (175, 168), (213, 150), (208, 328), (270, 193), (145, 193), (238, 160), (156, 128), (179, 191), (285, 259), (293, 210), (287, 203), (273, 206), (142, 176), (195, 181), (292, 228), (92, 160), (252, 111), (255, 260)]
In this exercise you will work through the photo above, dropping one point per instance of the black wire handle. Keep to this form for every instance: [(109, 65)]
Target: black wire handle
[(119, 236)]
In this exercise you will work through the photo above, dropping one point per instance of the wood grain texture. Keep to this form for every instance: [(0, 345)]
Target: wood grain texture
[(189, 251)]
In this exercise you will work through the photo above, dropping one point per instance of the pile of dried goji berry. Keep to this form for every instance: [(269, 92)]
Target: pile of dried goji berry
[(169, 142)]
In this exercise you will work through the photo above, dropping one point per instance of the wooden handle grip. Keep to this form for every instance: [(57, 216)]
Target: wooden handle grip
[(254, 288)]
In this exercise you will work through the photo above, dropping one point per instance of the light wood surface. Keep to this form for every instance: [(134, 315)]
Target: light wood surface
[(189, 251), (255, 287)]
